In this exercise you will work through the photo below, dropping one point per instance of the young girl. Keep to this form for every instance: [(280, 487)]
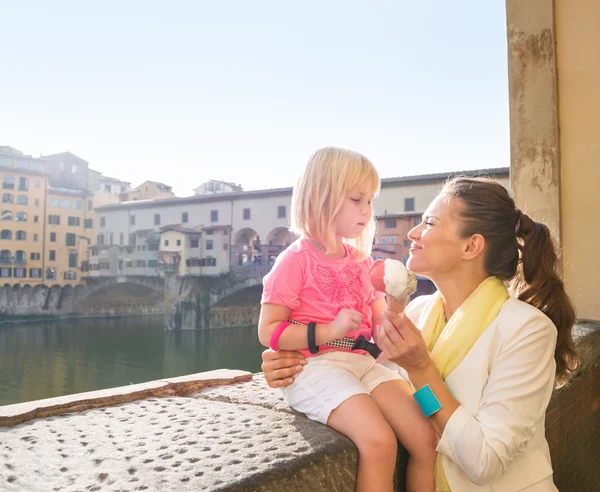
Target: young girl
[(321, 285)]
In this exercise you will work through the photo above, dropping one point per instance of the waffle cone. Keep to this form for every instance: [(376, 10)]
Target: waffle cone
[(395, 305)]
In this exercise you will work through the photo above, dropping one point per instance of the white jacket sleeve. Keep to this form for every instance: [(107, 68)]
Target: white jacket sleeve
[(515, 397)]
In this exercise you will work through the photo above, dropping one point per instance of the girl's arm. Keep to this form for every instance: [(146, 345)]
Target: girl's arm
[(377, 308), (295, 337)]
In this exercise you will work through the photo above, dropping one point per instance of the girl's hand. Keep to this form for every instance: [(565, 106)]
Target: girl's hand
[(402, 343), (280, 367), (345, 321)]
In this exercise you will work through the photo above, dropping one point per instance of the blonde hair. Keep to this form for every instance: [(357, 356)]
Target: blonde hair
[(320, 192)]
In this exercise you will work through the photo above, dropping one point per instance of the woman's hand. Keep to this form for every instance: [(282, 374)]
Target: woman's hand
[(280, 367), (402, 343)]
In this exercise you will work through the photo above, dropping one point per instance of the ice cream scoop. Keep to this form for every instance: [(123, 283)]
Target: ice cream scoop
[(392, 277)]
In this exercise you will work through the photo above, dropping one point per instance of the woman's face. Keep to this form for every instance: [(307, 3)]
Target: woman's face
[(437, 248)]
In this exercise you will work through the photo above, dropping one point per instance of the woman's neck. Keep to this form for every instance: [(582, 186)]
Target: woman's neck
[(455, 289)]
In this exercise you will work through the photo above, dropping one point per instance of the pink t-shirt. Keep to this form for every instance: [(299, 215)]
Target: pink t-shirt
[(316, 288)]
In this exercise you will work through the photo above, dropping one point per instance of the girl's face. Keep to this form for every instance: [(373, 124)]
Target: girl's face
[(437, 247), (355, 213)]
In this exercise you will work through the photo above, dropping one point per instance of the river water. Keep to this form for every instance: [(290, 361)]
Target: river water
[(40, 360)]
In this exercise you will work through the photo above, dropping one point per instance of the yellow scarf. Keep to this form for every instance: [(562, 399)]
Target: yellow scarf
[(448, 343)]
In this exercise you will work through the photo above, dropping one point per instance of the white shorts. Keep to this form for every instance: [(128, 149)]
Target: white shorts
[(329, 379)]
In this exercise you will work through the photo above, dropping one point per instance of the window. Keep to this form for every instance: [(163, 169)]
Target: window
[(393, 240), (21, 164), (211, 262), (6, 161), (184, 218), (52, 255), (72, 260), (383, 240), (225, 232), (417, 221), (37, 183), (6, 234), (20, 272), (74, 221), (107, 188), (54, 202), (61, 166), (7, 198), (35, 238), (153, 246), (35, 273), (179, 242), (23, 184), (246, 214), (35, 256), (102, 221), (78, 204), (73, 168), (122, 189), (37, 202), (5, 272), (53, 237), (209, 244), (214, 216), (21, 217), (65, 203), (20, 257), (409, 204), (141, 264), (152, 263), (166, 242), (132, 220), (5, 256), (111, 239), (389, 224), (90, 205), (70, 275), (6, 215), (54, 219), (121, 238), (22, 200), (156, 219), (21, 236), (50, 273), (8, 183), (225, 246), (406, 243), (194, 243), (132, 239), (88, 224), (70, 239), (281, 212), (36, 218)]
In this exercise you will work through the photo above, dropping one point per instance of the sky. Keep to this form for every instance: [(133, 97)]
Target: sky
[(186, 91)]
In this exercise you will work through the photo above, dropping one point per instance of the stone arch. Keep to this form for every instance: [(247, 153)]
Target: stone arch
[(79, 291), (246, 247), (67, 290), (25, 295), (5, 292)]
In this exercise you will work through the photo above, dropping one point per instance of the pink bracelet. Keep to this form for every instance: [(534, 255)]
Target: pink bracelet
[(277, 333)]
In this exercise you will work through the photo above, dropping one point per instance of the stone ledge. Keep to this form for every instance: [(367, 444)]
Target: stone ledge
[(181, 386)]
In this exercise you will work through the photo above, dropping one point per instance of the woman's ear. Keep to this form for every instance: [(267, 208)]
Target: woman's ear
[(474, 247)]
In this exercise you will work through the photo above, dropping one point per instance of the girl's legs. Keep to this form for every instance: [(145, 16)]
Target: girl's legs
[(403, 414), (360, 419)]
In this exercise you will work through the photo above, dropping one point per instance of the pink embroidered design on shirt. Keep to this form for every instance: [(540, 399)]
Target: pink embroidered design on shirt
[(340, 285)]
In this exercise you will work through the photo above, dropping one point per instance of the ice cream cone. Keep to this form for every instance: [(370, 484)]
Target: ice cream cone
[(395, 305)]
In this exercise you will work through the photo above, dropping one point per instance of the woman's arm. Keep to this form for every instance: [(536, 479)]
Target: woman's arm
[(515, 397)]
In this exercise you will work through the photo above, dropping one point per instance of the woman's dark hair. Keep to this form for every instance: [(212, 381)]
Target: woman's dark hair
[(521, 252)]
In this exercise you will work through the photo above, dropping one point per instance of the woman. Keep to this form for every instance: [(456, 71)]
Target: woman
[(483, 362)]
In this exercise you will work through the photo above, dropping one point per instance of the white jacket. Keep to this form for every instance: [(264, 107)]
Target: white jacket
[(495, 441)]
